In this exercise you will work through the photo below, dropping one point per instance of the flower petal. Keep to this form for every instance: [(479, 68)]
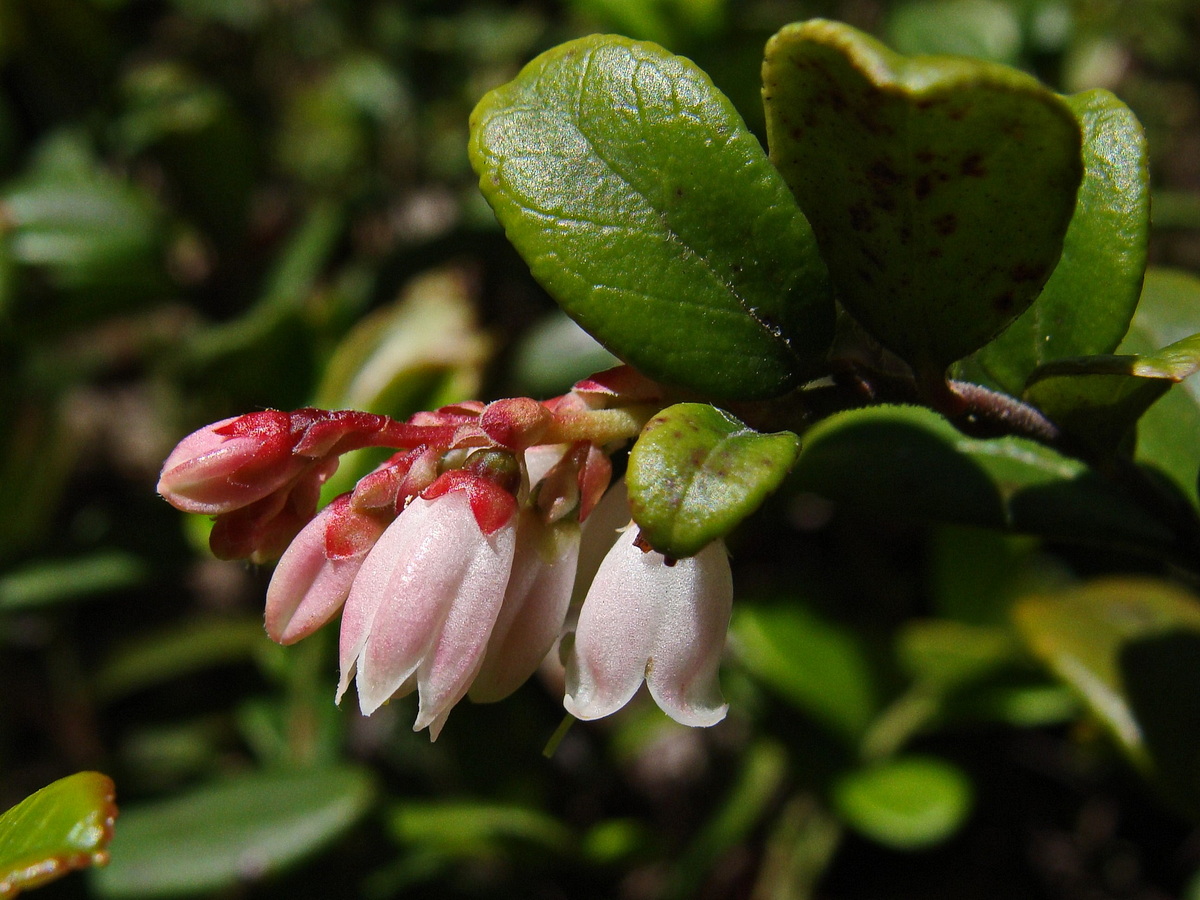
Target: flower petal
[(310, 586), (617, 630), (682, 676), (439, 607), (535, 605), (447, 672), (390, 553)]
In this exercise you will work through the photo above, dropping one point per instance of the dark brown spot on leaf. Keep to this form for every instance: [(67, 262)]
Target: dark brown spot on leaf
[(882, 175), (1028, 271), (861, 218), (973, 166), (946, 224)]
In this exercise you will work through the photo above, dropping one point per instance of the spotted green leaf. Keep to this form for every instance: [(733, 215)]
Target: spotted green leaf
[(939, 188), (65, 826), (696, 472), (643, 204), (1086, 306), (1129, 647)]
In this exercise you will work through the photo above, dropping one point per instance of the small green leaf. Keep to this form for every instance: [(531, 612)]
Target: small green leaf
[(65, 826), (816, 665), (908, 803), (939, 188), (1166, 435), (696, 472), (47, 582), (1099, 399), (946, 655), (911, 463), (224, 834), (90, 232), (1130, 647), (985, 29), (1086, 306), (643, 204), (477, 830), (188, 647)]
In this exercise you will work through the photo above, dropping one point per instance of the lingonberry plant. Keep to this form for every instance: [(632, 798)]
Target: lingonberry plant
[(914, 302)]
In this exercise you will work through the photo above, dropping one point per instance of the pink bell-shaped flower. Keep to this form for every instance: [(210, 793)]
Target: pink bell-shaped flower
[(423, 605), (643, 619), (313, 577), (534, 608)]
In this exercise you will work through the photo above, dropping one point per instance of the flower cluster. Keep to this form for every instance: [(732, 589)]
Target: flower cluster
[(454, 563)]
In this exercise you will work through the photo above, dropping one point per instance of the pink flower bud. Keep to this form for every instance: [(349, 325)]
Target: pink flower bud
[(516, 424), (645, 620), (262, 530), (231, 464)]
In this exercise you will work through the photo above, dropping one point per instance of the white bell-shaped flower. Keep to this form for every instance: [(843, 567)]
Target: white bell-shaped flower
[(645, 619)]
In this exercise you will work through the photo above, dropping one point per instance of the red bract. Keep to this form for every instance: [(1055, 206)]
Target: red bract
[(491, 505)]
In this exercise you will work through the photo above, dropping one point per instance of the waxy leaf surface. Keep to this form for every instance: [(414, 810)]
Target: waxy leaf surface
[(696, 472), (642, 203), (1086, 306), (224, 834), (939, 188), (1099, 399), (1166, 435), (910, 462), (1129, 647), (65, 826)]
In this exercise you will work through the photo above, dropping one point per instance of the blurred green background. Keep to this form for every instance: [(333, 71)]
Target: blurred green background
[(209, 207)]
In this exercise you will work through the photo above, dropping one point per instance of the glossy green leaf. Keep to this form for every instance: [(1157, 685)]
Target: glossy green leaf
[(696, 472), (224, 834), (911, 463), (939, 188), (642, 203), (1166, 435), (819, 667), (1086, 306), (908, 802), (1130, 648), (1099, 399), (65, 826)]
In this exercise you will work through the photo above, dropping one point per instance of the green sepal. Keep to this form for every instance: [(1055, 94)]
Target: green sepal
[(696, 472), (643, 204), (939, 188)]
